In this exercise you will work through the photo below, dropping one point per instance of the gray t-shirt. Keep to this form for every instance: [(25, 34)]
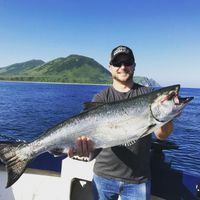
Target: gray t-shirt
[(130, 164)]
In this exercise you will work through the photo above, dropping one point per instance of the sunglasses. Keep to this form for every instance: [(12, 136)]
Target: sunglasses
[(125, 63)]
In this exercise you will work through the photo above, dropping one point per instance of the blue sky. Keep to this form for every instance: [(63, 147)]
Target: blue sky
[(164, 34)]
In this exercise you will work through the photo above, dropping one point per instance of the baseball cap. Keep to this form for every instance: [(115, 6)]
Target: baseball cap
[(121, 53)]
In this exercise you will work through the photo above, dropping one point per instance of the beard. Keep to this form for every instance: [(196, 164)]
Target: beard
[(123, 79)]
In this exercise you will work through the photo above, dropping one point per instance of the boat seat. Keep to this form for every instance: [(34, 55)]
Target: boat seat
[(80, 189)]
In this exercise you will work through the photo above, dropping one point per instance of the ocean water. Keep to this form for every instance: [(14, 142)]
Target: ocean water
[(29, 109)]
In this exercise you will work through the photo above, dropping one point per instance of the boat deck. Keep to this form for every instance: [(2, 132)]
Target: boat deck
[(73, 182)]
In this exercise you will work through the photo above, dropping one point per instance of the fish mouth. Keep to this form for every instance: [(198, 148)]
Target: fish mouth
[(178, 100), (184, 100)]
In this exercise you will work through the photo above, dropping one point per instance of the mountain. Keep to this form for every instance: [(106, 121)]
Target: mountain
[(71, 69), (149, 82), (19, 68)]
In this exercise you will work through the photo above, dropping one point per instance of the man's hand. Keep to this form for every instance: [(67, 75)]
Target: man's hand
[(163, 132), (84, 146)]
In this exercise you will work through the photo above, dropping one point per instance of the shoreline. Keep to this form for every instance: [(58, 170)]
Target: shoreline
[(58, 83)]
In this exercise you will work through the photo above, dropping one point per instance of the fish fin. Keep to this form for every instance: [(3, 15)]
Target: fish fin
[(129, 143), (14, 164), (91, 105), (146, 132), (58, 152), (149, 130)]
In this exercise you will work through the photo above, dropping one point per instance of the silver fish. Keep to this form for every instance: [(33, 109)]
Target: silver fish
[(106, 124)]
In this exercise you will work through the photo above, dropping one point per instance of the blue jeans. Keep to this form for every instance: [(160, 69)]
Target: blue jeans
[(109, 189)]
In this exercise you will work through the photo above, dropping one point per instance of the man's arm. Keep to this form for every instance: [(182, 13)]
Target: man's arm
[(163, 132)]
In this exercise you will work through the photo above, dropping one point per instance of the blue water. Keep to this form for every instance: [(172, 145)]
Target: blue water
[(29, 109)]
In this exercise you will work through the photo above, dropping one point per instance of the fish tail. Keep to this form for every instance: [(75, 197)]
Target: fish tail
[(15, 162)]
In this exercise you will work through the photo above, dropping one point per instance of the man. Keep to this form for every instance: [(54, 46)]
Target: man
[(121, 170)]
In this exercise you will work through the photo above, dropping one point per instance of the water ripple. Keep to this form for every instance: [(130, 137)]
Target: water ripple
[(27, 110)]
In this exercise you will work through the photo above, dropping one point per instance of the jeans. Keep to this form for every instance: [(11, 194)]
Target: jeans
[(109, 189)]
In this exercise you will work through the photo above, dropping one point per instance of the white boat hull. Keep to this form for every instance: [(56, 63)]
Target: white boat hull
[(40, 184)]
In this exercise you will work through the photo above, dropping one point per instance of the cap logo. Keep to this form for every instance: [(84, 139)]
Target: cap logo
[(121, 50)]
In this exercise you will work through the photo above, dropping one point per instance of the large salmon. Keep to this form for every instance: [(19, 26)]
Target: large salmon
[(106, 125)]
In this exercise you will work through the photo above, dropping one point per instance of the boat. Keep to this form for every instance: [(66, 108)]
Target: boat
[(61, 178)]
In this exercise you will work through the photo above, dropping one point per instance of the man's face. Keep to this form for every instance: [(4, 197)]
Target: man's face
[(122, 68), (122, 73)]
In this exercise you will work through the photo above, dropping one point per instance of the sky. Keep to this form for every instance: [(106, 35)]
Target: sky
[(163, 34)]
